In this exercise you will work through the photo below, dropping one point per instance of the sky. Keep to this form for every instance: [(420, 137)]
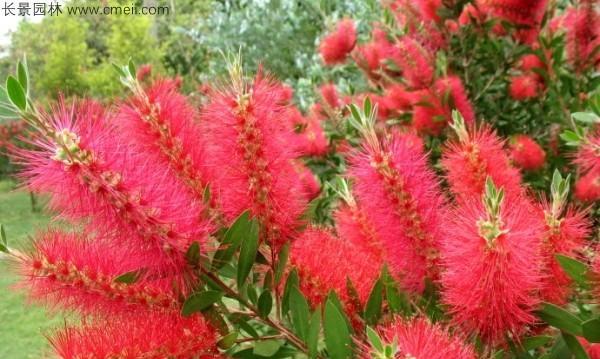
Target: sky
[(9, 23)]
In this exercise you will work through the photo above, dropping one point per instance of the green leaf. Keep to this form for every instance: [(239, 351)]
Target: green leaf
[(193, 254), (22, 74), (561, 319), (131, 68), (337, 334), (228, 341), (265, 304), (312, 339), (7, 109), (571, 138), (231, 240), (535, 342), (129, 277), (588, 118), (3, 235), (373, 306), (248, 251), (591, 330), (575, 346), (299, 312), (266, 348), (16, 94), (282, 262), (199, 301), (575, 269), (374, 339), (292, 281), (397, 301)]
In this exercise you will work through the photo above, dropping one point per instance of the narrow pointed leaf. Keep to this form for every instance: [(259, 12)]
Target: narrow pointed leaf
[(248, 251), (199, 301), (16, 93), (337, 334)]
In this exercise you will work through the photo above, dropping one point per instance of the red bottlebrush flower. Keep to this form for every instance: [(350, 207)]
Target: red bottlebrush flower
[(527, 13), (430, 117), (429, 9), (477, 154), (309, 180), (531, 62), (414, 61), (329, 95), (139, 335), (286, 94), (526, 153), (398, 191), (143, 72), (524, 87), (397, 98), (592, 349), (74, 272), (249, 157), (420, 339), (336, 46), (161, 122), (583, 36), (565, 234), (587, 157), (326, 263), (469, 14), (587, 188), (451, 88), (492, 260), (433, 108), (313, 141), (91, 174)]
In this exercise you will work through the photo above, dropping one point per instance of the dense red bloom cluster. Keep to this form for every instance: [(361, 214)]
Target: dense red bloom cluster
[(81, 164), (10, 131), (526, 153), (335, 47), (523, 87), (421, 339), (248, 157), (587, 159), (564, 235), (526, 13), (583, 35), (478, 154), (139, 335), (398, 191), (326, 263), (492, 276), (78, 273)]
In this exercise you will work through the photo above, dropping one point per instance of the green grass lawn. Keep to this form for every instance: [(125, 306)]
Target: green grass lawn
[(21, 325)]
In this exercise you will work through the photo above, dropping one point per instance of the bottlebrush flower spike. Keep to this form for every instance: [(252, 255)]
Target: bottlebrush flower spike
[(420, 339), (326, 263), (587, 157), (151, 335), (587, 188), (394, 185), (566, 230), (71, 271), (524, 87), (249, 155), (159, 120), (354, 225), (330, 96), (91, 174), (526, 13), (433, 107), (477, 154), (526, 153), (336, 46), (583, 36), (491, 258), (414, 61)]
